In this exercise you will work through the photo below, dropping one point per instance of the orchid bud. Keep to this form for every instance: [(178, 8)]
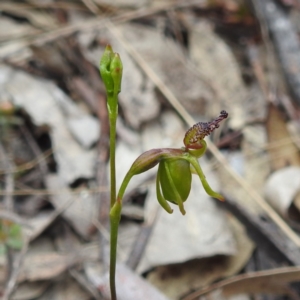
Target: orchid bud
[(105, 69), (116, 67), (111, 70)]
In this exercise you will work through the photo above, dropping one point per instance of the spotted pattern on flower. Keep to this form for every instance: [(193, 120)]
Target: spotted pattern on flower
[(202, 129)]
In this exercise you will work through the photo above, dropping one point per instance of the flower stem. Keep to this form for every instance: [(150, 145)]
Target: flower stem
[(112, 155), (114, 217)]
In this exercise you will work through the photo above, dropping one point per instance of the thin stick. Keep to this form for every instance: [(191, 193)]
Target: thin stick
[(16, 269), (94, 23)]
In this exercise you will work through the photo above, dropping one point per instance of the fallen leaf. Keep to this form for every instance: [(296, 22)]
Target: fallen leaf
[(281, 154), (81, 212), (269, 282), (30, 290), (43, 266), (64, 289), (129, 285), (46, 104), (282, 187), (177, 279)]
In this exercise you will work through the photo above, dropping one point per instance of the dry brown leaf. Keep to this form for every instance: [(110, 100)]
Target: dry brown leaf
[(281, 155), (43, 266), (81, 212), (11, 29), (54, 109), (30, 290), (66, 289), (127, 283), (177, 279), (271, 281)]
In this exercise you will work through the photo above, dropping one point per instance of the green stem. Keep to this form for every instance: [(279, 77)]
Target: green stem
[(112, 155), (114, 215)]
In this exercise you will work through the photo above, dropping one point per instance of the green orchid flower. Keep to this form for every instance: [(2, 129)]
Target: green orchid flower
[(176, 166)]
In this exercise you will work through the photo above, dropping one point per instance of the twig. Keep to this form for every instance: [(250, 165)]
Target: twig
[(8, 215), (141, 241), (36, 192), (16, 269), (255, 196), (285, 40), (9, 181), (96, 23), (268, 238), (285, 275), (51, 219), (91, 6), (35, 149), (252, 52), (85, 284), (30, 164)]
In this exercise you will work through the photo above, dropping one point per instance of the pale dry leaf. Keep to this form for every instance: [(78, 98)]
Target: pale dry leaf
[(30, 290), (277, 130), (43, 266), (85, 129), (130, 286), (167, 131), (168, 61), (124, 3), (20, 46), (268, 282), (47, 105), (66, 289), (125, 156), (256, 163), (282, 187), (176, 280), (11, 29), (37, 18), (294, 132), (37, 224), (128, 233), (81, 212)]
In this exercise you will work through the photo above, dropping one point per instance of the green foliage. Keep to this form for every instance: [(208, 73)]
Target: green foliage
[(10, 235)]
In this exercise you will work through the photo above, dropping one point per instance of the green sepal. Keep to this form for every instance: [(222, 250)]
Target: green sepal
[(175, 179), (151, 158), (105, 70), (116, 67)]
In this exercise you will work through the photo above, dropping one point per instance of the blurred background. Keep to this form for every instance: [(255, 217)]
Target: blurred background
[(184, 61)]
